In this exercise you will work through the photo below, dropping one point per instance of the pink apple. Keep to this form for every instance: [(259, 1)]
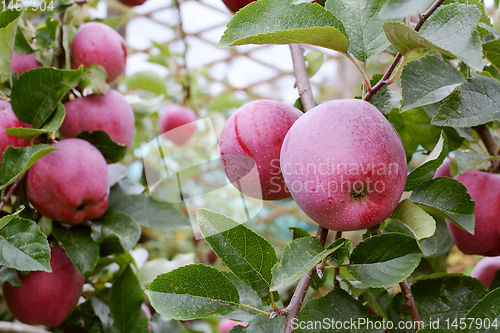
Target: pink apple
[(344, 165), (253, 135), (132, 3), (483, 187), (444, 169), (46, 298), (97, 43), (178, 124), (70, 185), (109, 113), (486, 269), (9, 120), (235, 5), (226, 324), (24, 63)]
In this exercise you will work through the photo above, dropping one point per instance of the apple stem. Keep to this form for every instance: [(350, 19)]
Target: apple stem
[(386, 78), (410, 302), (11, 190), (255, 309), (336, 283)]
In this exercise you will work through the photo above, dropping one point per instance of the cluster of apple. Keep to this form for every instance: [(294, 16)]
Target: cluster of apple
[(69, 185), (342, 162), (483, 189)]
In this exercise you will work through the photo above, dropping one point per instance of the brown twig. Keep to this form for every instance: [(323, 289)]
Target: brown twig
[(410, 302), (491, 144), (187, 86), (11, 190), (302, 83), (385, 79)]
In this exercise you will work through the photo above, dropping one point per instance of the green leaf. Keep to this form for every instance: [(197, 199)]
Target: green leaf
[(416, 219), (336, 306), (113, 152), (427, 169), (6, 219), (441, 298), (249, 256), (281, 22), (468, 160), (116, 224), (122, 188), (24, 246), (161, 324), (341, 253), (247, 297), (314, 61), (101, 310), (125, 304), (362, 24), (421, 224), (21, 45), (9, 275), (447, 198), (395, 9), (94, 78), (384, 260), (484, 314), (151, 213), (79, 246), (16, 161), (428, 80), (262, 324), (385, 98), (148, 81), (475, 103), (53, 124), (299, 257), (298, 233), (451, 30), (36, 94), (47, 35), (414, 128), (8, 28), (491, 51), (193, 292)]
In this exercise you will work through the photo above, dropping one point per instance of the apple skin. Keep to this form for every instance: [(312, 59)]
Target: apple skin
[(132, 3), (483, 189), (344, 165), (70, 185), (227, 324), (444, 169), (97, 43), (235, 5), (255, 132), (486, 269), (9, 120), (46, 298), (24, 63), (174, 117), (109, 113)]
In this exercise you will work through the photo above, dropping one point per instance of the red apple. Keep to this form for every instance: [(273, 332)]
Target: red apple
[(46, 298), (444, 169), (132, 3), (109, 113), (97, 43), (9, 120), (254, 135), (344, 165), (235, 5), (24, 63), (486, 269), (178, 124), (70, 185), (226, 324), (483, 188)]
